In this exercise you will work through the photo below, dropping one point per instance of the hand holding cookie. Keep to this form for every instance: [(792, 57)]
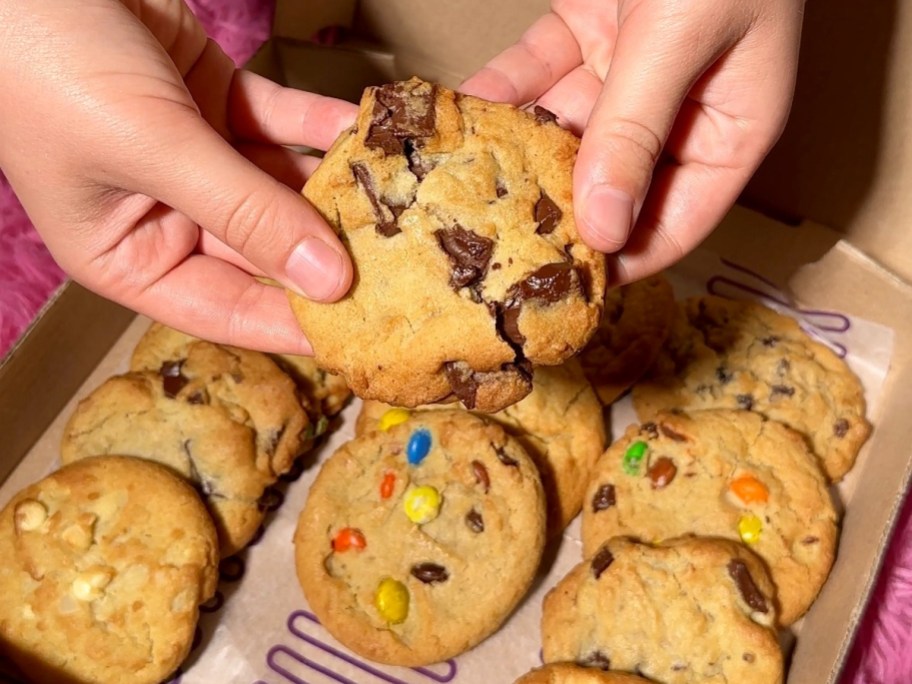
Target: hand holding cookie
[(154, 170), (677, 104)]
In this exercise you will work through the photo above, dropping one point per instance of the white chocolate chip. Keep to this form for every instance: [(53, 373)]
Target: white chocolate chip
[(89, 585), (80, 535), (30, 515)]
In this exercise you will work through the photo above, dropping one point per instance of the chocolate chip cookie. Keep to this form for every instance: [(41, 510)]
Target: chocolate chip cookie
[(417, 542), (267, 397), (742, 355), (682, 612), (326, 392), (635, 325), (570, 673), (458, 216), (103, 565), (720, 473), (560, 424)]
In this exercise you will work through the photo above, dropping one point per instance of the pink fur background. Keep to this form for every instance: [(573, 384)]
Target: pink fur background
[(882, 653)]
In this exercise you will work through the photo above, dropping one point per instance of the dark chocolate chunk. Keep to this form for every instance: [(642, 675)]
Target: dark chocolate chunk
[(173, 381), (810, 540), (782, 390), (430, 573), (401, 110), (465, 382), (474, 521), (198, 397), (738, 571), (745, 401), (469, 254), (841, 428), (543, 115), (504, 457), (769, 341), (723, 375), (748, 657), (417, 164), (596, 659), (672, 434), (651, 430), (547, 215), (274, 438), (386, 220), (604, 498), (601, 561), (501, 190), (549, 284), (481, 475), (662, 472)]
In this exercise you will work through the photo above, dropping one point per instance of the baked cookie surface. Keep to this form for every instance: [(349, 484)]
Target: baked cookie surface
[(458, 215), (561, 426), (685, 611), (247, 383), (570, 673), (743, 355), (325, 391), (636, 322), (417, 542), (720, 473), (103, 565)]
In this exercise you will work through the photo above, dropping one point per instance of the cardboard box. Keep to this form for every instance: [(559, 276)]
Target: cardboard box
[(840, 163)]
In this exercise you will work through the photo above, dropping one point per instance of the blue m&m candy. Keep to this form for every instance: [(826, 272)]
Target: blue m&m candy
[(419, 445)]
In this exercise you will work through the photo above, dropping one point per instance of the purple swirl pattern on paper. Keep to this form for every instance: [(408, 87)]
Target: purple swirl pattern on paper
[(300, 623)]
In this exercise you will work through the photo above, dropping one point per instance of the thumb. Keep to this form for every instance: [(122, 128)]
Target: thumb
[(201, 175), (658, 57)]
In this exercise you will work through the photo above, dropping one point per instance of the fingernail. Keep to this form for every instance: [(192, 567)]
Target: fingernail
[(315, 268), (608, 217)]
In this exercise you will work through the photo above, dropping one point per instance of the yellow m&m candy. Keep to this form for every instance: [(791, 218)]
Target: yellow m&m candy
[(749, 528), (422, 504), (393, 417), (392, 601)]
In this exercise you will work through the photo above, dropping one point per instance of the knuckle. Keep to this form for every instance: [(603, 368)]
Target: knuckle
[(246, 223), (633, 141)]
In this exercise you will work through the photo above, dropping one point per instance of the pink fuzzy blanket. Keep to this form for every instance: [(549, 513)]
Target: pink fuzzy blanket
[(882, 653)]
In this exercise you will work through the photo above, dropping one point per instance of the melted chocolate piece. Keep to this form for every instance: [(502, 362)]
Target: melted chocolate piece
[(543, 115), (481, 475), (601, 561), (748, 657), (672, 434), (501, 190), (465, 382), (810, 540), (841, 428), (386, 225), (274, 440), (745, 401), (723, 375), (549, 284), (418, 165), (769, 341), (783, 367), (173, 381), (505, 458), (662, 472), (651, 430), (738, 571), (198, 397), (547, 215), (604, 498), (401, 111), (430, 573), (782, 390), (474, 521), (469, 254)]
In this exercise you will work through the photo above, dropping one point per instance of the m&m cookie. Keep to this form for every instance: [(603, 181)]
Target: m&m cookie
[(418, 539), (720, 473)]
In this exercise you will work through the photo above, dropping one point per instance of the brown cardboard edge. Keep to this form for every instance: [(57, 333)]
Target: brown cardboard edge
[(71, 334)]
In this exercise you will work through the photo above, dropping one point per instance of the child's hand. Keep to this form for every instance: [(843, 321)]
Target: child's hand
[(154, 170), (678, 102)]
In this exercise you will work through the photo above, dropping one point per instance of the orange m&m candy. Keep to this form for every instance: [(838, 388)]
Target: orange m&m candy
[(749, 489), (348, 538)]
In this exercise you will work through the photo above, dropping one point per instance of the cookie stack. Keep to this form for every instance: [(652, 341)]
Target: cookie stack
[(167, 469)]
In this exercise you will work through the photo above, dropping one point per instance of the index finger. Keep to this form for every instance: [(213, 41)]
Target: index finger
[(544, 54)]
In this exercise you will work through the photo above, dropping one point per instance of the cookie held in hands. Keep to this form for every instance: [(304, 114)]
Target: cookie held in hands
[(468, 267)]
